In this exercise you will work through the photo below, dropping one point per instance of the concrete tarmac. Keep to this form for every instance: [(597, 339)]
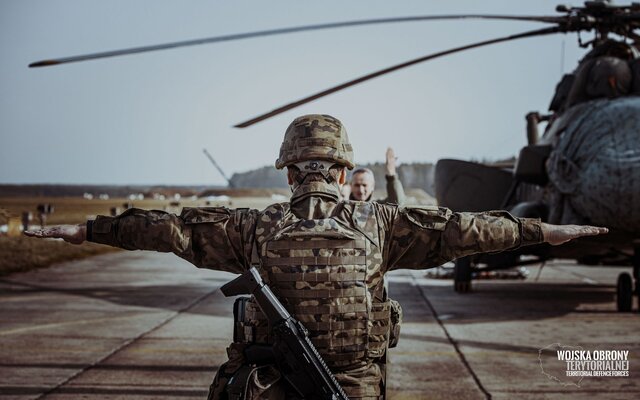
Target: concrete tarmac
[(143, 325)]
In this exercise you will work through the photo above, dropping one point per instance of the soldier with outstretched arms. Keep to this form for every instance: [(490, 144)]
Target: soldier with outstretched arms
[(323, 257)]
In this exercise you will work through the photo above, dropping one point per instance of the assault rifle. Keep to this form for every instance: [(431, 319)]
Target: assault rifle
[(293, 353)]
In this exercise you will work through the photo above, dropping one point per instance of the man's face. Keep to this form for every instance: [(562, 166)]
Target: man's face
[(362, 185)]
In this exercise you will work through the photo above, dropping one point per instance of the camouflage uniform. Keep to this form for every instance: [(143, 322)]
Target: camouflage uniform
[(324, 258), (395, 191)]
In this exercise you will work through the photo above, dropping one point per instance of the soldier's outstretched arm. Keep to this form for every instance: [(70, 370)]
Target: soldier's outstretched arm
[(215, 238), (135, 229), (425, 237)]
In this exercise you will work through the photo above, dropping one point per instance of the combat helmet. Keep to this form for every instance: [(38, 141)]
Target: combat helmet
[(315, 137)]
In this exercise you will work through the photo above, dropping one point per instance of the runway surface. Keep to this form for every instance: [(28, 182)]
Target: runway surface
[(142, 325)]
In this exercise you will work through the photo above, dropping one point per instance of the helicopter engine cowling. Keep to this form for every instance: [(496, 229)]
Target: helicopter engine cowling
[(594, 166)]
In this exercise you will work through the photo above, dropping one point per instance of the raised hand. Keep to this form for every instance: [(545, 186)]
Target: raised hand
[(390, 162), (75, 234), (559, 234)]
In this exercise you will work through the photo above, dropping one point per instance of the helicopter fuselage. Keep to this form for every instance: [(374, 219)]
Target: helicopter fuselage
[(594, 165)]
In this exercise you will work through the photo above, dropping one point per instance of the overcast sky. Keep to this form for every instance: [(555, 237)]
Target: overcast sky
[(144, 119)]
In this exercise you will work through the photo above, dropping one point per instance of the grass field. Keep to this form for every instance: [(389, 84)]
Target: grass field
[(20, 253)]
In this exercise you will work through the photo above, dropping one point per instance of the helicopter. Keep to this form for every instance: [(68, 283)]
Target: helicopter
[(596, 105), (584, 168)]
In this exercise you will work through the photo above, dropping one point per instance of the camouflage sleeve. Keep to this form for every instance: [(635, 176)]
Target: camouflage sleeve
[(395, 191), (215, 238), (425, 237)]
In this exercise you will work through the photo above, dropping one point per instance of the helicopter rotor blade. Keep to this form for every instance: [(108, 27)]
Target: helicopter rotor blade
[(279, 110), (281, 31)]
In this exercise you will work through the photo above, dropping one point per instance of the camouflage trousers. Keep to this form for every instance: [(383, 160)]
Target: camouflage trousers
[(236, 380)]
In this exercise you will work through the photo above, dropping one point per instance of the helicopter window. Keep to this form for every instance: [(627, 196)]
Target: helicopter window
[(562, 91), (608, 77)]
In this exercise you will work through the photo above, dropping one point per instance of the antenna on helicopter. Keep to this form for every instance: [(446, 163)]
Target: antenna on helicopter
[(215, 164)]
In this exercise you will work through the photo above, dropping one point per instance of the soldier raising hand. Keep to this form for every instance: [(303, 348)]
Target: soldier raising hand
[(363, 183)]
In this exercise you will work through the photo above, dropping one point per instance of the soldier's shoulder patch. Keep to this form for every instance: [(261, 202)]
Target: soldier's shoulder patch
[(197, 215), (430, 217)]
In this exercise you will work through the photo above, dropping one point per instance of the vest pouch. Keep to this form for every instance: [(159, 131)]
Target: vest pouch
[(240, 320), (379, 331), (396, 322)]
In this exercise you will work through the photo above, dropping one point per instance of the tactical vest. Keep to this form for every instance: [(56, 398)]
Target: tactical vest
[(327, 273)]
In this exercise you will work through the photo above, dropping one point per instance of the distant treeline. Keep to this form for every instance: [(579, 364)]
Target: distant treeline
[(51, 190), (414, 175)]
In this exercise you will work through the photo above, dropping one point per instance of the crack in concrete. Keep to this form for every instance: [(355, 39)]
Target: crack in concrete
[(128, 342), (452, 341)]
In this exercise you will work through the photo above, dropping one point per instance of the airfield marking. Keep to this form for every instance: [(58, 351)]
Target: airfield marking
[(584, 278), (62, 324), (451, 340), (128, 342)]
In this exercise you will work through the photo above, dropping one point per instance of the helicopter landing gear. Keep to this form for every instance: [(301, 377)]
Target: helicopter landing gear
[(624, 292), (636, 278), (628, 286), (462, 275)]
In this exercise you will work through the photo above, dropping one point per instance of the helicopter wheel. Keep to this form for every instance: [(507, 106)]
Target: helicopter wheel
[(462, 275), (624, 292), (636, 276)]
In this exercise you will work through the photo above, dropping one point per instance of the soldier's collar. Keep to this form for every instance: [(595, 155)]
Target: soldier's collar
[(330, 190)]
